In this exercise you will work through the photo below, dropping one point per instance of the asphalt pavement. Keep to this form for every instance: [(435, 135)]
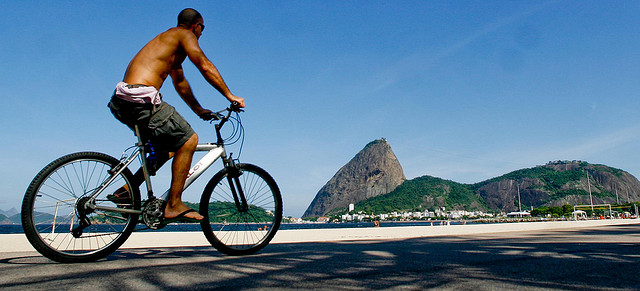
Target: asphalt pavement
[(593, 258)]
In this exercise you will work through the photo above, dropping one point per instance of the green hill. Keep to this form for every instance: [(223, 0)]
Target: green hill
[(423, 193), (554, 184)]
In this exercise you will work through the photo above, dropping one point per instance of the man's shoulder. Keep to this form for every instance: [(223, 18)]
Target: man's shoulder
[(177, 33)]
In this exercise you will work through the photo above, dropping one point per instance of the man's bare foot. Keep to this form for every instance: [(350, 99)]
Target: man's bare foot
[(181, 211)]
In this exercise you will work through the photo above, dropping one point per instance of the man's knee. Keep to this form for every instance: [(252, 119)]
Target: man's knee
[(188, 146), (192, 142)]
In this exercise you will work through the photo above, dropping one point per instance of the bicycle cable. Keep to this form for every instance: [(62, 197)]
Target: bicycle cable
[(240, 133), (126, 155), (237, 133)]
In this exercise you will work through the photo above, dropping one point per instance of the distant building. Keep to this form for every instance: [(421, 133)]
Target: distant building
[(518, 214), (295, 220)]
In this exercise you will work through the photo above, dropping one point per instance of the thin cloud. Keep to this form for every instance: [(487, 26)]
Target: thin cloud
[(423, 61), (586, 148), (602, 144)]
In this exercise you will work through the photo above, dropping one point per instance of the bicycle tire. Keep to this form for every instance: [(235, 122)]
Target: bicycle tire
[(235, 232), (50, 212)]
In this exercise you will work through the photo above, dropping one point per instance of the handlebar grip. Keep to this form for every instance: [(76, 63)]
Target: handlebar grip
[(212, 116), (235, 107)]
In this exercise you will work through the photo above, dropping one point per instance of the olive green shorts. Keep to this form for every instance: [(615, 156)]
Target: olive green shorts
[(161, 124)]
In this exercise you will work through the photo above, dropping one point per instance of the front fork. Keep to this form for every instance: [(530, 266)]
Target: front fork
[(233, 178)]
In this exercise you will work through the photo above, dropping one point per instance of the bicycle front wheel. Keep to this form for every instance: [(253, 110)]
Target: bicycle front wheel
[(234, 227), (52, 209)]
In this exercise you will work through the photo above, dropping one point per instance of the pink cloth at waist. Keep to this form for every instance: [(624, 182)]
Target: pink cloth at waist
[(142, 94)]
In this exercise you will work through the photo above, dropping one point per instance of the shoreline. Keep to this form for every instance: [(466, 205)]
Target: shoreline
[(19, 243)]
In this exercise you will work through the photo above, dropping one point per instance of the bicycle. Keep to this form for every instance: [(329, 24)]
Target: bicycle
[(68, 217)]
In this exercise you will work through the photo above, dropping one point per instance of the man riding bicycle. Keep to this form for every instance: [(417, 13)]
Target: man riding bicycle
[(137, 101)]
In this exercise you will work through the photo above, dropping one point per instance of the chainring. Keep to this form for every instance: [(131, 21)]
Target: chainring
[(153, 213)]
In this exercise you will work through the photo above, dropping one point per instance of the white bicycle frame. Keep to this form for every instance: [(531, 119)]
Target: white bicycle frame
[(214, 153)]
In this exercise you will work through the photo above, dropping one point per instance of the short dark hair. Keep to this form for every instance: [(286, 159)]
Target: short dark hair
[(188, 17)]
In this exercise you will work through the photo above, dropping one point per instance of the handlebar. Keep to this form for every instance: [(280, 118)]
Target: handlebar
[(234, 107), (223, 118)]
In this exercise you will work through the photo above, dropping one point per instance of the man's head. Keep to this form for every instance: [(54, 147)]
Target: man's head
[(191, 19)]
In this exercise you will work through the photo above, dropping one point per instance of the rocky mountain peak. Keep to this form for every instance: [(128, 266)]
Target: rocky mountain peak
[(374, 171)]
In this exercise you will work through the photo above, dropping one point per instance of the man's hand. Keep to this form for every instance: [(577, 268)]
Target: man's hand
[(234, 98), (205, 114)]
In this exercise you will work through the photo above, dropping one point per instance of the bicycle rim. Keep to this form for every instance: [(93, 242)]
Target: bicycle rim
[(241, 232), (50, 209)]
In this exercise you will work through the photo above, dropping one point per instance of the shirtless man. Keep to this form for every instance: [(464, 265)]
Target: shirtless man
[(137, 100)]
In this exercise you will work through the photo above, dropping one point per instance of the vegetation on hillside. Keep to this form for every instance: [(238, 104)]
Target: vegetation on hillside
[(430, 193), (423, 193), (567, 210), (554, 211), (553, 179)]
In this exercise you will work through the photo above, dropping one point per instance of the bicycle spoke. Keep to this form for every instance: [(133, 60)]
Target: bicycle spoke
[(54, 226), (242, 231)]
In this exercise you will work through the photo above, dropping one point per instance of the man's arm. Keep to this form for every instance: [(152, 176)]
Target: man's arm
[(184, 90), (206, 67)]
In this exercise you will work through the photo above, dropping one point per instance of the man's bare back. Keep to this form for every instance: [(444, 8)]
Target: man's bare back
[(163, 56), (158, 58)]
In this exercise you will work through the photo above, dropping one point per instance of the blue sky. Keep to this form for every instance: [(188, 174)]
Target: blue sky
[(462, 90)]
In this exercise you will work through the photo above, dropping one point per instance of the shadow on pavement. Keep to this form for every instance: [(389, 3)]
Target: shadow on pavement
[(591, 259)]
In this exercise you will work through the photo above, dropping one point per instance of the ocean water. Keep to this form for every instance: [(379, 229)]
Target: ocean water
[(17, 228)]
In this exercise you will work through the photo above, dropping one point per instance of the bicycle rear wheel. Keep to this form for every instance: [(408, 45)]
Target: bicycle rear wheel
[(51, 208), (235, 230)]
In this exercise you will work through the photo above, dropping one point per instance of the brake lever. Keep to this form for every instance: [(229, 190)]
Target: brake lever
[(235, 107), (213, 116)]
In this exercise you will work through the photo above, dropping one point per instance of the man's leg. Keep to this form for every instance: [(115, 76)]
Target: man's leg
[(180, 169), (122, 195), (161, 159)]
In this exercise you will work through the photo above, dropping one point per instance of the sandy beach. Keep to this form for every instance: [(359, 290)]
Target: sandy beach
[(19, 243)]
